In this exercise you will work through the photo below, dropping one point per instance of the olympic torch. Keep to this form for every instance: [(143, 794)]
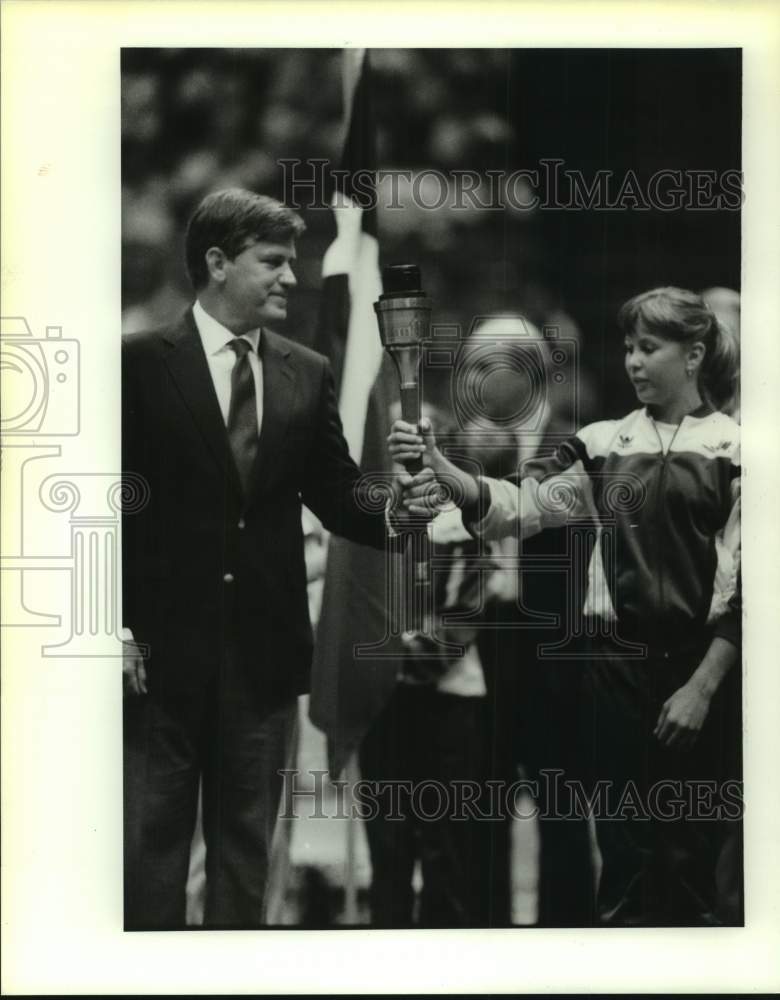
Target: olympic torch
[(403, 313)]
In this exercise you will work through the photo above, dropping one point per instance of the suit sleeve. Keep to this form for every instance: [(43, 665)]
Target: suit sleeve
[(332, 486)]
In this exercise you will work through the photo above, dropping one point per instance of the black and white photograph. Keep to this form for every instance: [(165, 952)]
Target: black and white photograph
[(538, 721), (382, 547)]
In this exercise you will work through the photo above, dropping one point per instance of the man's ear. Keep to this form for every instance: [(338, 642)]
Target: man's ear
[(215, 262)]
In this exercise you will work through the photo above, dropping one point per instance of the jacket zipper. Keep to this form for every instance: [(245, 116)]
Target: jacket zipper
[(659, 509)]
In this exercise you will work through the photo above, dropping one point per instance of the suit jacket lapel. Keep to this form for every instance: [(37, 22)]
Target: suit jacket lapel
[(279, 385), (189, 369)]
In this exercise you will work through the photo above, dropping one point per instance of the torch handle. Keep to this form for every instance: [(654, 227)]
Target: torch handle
[(419, 590), (411, 412)]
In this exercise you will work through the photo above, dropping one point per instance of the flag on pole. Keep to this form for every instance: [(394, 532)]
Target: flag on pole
[(349, 691)]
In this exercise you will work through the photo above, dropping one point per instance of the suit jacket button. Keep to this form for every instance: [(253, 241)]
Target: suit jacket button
[(228, 578), (241, 524)]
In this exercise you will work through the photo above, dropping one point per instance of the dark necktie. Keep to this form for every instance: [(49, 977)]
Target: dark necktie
[(242, 418)]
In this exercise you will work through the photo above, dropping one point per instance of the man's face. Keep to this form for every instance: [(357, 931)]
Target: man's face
[(257, 283)]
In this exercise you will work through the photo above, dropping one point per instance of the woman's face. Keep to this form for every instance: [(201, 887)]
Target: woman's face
[(656, 367)]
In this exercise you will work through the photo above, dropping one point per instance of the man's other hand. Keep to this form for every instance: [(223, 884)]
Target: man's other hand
[(133, 666)]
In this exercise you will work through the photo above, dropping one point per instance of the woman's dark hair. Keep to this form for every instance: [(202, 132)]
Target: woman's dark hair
[(233, 220), (683, 316)]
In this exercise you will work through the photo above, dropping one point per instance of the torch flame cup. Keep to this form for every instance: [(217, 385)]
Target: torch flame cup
[(404, 323)]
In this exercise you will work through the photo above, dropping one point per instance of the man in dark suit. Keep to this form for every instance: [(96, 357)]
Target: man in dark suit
[(233, 427)]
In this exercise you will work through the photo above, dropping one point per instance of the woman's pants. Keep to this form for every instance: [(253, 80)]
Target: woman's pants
[(662, 814)]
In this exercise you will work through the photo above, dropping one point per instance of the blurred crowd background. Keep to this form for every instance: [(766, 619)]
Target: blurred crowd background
[(194, 120)]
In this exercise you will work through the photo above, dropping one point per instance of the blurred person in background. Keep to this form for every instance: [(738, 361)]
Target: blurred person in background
[(535, 697), (726, 304), (436, 730), (232, 426), (662, 602)]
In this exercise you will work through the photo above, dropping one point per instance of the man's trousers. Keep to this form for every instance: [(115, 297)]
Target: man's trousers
[(172, 740)]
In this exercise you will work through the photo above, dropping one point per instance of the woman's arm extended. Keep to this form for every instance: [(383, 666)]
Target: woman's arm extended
[(491, 508)]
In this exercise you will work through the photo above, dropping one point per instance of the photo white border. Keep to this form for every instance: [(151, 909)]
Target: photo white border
[(61, 732)]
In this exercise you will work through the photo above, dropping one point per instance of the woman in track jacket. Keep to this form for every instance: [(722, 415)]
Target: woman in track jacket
[(661, 605)]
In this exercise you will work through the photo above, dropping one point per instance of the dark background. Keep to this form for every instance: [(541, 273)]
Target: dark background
[(195, 120)]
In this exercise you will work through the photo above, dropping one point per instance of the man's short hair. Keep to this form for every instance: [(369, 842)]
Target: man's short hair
[(233, 220)]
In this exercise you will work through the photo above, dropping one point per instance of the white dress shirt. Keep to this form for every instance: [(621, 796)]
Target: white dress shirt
[(221, 358)]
